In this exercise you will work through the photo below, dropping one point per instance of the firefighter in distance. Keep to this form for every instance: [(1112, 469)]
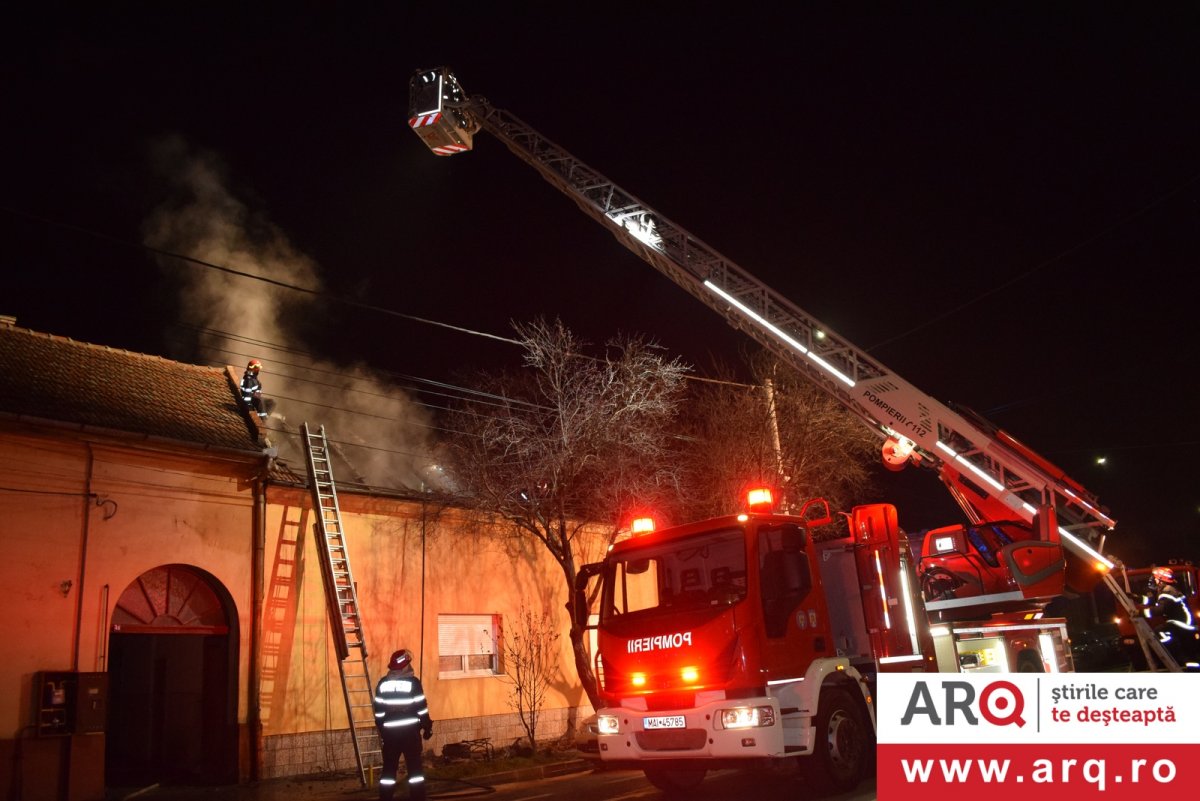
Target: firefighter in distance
[(252, 388), (402, 718)]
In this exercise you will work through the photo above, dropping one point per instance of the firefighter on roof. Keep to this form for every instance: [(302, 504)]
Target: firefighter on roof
[(401, 716), (252, 388)]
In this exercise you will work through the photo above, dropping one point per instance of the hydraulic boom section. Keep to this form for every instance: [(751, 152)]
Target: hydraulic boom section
[(989, 473)]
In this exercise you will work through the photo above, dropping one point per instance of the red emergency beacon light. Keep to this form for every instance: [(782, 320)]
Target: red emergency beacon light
[(760, 499), (642, 525)]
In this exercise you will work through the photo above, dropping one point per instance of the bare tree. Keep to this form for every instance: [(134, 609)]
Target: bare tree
[(572, 440), (531, 662), (780, 430)]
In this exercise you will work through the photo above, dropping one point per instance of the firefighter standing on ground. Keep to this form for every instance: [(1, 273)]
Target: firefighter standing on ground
[(402, 717), (252, 388)]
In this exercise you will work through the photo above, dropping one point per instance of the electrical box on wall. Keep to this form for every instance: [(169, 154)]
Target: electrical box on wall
[(68, 702)]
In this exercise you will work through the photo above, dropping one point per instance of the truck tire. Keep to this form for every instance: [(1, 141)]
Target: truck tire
[(674, 782), (843, 744)]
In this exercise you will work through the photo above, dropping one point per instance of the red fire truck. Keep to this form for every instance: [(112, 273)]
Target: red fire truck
[(749, 640), (733, 679)]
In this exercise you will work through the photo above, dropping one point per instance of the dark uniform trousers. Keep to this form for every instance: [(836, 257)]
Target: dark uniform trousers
[(409, 744)]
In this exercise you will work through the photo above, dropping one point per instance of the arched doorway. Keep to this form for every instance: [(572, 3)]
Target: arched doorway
[(172, 674)]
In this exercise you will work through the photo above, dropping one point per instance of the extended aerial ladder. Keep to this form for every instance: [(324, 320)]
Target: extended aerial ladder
[(341, 597), (989, 473)]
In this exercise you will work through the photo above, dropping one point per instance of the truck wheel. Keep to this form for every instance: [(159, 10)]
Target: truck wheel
[(843, 743), (673, 782)]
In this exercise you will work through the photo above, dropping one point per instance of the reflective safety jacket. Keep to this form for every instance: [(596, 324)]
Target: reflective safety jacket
[(250, 385), (1177, 616), (400, 705)]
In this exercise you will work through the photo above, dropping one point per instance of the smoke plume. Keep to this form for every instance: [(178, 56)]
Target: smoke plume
[(382, 435)]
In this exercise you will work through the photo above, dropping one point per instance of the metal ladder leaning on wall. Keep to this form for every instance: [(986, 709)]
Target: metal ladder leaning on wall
[(342, 603)]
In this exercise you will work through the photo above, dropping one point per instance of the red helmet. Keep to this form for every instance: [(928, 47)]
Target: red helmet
[(1164, 574), (400, 660), (254, 366)]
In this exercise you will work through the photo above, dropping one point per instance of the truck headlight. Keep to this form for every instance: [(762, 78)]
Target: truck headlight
[(747, 717), (606, 724)]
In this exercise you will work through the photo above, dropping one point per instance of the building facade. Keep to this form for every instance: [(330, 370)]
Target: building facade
[(165, 613)]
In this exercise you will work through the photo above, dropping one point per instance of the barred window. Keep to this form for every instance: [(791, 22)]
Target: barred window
[(468, 645)]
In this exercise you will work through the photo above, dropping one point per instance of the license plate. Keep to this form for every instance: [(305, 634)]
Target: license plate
[(664, 722)]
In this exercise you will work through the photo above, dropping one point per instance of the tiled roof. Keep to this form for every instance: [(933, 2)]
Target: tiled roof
[(61, 380)]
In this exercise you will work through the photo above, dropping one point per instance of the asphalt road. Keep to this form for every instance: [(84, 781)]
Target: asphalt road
[(611, 785)]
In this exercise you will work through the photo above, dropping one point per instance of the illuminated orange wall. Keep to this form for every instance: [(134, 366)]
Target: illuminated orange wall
[(67, 558)]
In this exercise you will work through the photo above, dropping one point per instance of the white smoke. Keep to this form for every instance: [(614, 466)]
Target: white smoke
[(383, 435)]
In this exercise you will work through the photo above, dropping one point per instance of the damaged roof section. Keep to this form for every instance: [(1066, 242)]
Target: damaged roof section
[(55, 379)]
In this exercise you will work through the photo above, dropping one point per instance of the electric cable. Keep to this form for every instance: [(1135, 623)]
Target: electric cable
[(319, 293)]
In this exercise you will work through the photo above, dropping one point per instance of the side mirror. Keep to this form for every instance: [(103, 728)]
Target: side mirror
[(816, 513)]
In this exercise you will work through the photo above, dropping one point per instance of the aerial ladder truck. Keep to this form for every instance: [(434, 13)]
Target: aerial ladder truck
[(1032, 532)]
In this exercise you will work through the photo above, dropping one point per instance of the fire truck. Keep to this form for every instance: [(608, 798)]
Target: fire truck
[(750, 641), (779, 663)]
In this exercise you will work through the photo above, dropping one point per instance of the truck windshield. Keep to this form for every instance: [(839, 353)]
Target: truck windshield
[(703, 571)]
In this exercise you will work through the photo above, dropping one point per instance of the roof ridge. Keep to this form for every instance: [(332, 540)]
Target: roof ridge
[(110, 348)]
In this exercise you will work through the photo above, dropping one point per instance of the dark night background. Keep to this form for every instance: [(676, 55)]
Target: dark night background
[(998, 201)]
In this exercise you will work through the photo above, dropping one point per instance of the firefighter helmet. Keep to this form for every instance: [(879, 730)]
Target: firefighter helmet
[(254, 366), (1163, 574), (400, 660)]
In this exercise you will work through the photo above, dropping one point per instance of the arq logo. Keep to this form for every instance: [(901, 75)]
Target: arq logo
[(1000, 703)]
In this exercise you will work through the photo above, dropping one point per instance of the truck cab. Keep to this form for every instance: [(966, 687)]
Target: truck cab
[(725, 643), (680, 606), (966, 570)]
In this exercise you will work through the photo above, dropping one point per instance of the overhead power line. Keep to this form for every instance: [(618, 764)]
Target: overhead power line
[(241, 273), (296, 288)]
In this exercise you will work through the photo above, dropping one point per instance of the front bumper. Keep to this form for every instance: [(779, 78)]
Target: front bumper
[(701, 738)]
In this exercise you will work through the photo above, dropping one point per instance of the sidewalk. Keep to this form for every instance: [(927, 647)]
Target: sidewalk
[(344, 786)]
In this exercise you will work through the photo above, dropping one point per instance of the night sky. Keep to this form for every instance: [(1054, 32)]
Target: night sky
[(997, 201)]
